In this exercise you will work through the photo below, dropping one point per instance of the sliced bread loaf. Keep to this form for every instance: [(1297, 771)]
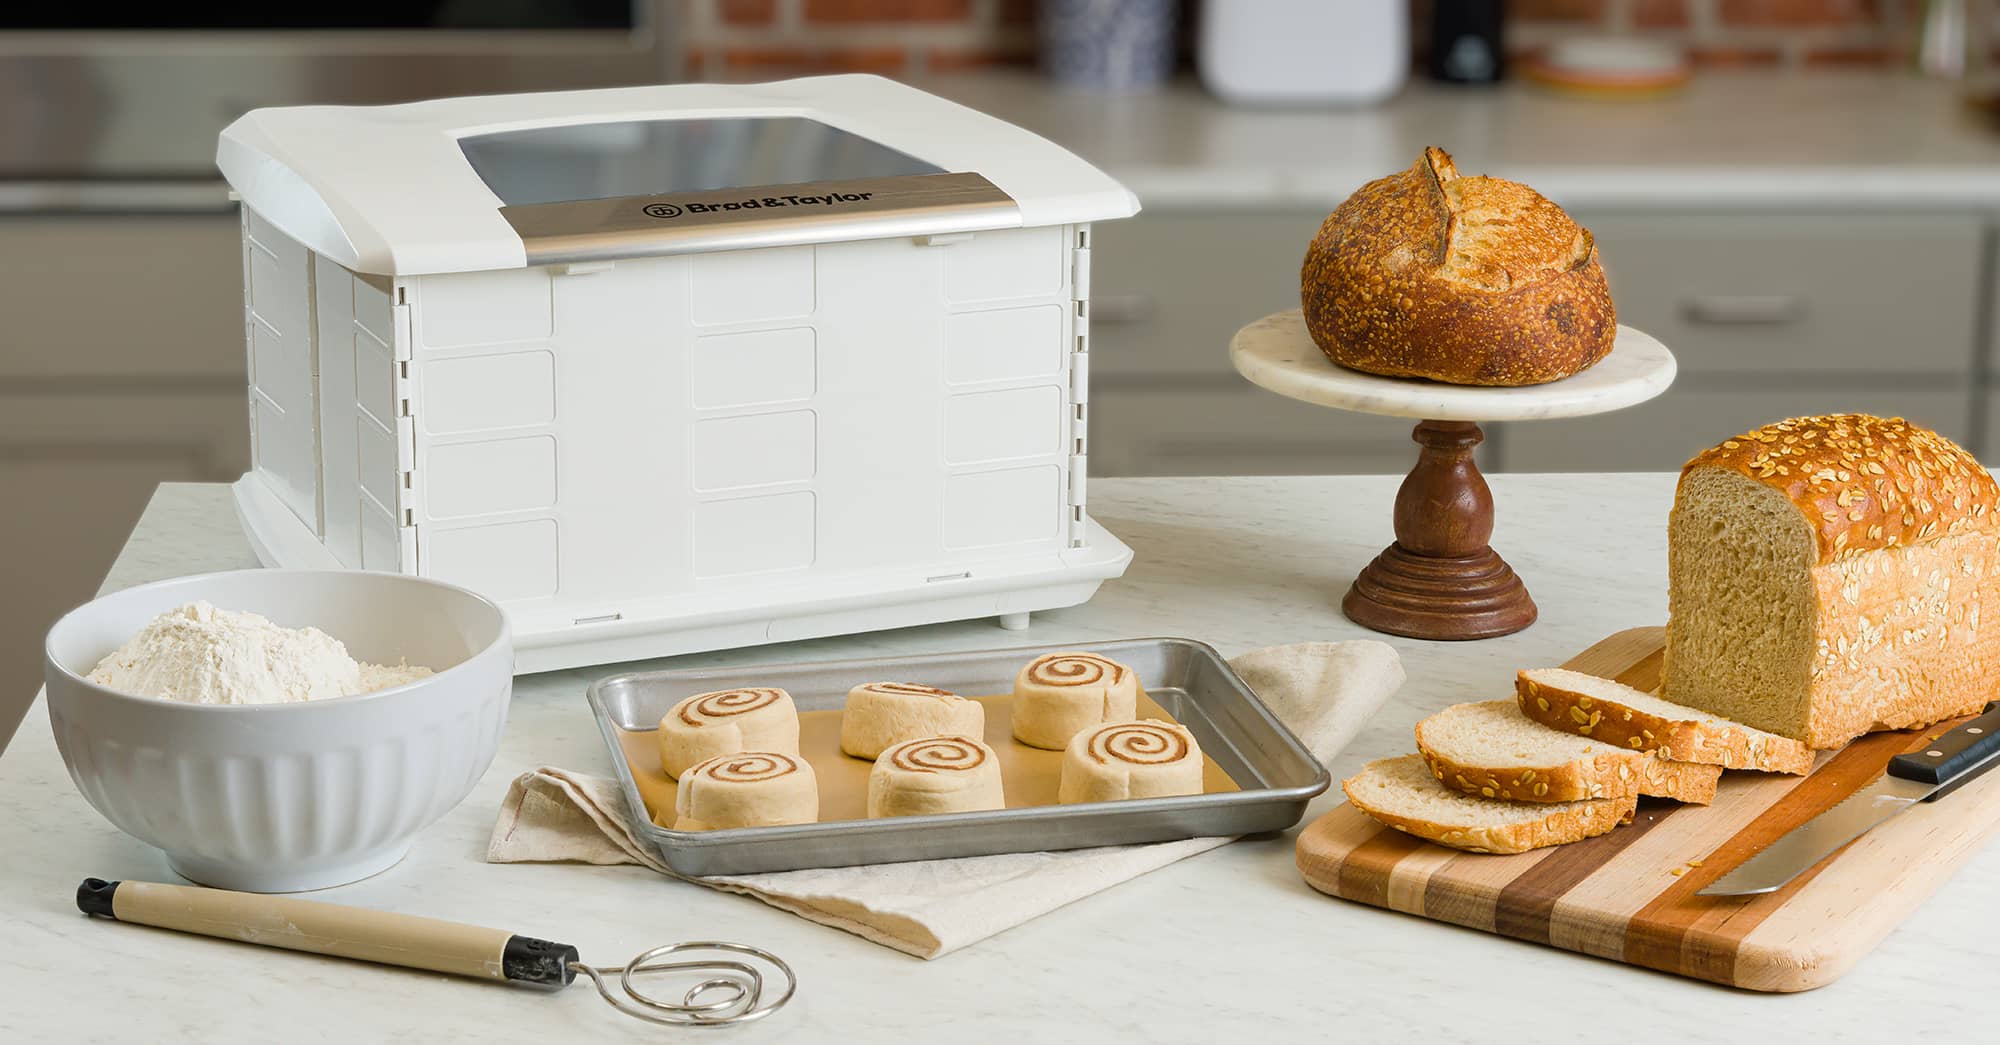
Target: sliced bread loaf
[(1492, 750), (1625, 717), (1829, 576), (1401, 793)]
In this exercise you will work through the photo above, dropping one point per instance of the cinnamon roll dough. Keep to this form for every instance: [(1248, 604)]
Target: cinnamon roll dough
[(1059, 695), (747, 789), (1146, 759), (726, 722), (935, 775), (880, 715)]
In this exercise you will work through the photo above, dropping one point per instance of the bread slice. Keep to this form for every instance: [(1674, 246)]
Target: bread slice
[(1400, 793), (1622, 716), (1492, 750)]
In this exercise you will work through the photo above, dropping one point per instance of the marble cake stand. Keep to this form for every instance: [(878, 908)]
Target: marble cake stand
[(1440, 580)]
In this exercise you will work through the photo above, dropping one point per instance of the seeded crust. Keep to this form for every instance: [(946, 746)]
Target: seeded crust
[(1833, 575), (1605, 776), (1864, 482), (1466, 280), (1606, 772), (1404, 782), (1546, 696)]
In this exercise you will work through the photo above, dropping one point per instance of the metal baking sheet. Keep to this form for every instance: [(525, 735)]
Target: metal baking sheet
[(1275, 776)]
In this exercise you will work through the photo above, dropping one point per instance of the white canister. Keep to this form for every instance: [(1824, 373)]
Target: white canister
[(1302, 51)]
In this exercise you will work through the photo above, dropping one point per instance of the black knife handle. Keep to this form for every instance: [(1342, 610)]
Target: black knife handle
[(1956, 758)]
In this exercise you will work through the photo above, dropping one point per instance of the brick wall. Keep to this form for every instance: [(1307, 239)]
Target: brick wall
[(731, 39), (1788, 32), (735, 39)]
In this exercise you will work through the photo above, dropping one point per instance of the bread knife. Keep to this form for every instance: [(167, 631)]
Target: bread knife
[(1945, 765)]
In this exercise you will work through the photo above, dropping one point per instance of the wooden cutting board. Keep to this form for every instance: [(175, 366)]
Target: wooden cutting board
[(1618, 896)]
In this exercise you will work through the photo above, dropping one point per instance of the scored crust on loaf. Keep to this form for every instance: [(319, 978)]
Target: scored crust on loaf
[(1622, 716), (1401, 793), (1462, 279), (1832, 575), (1493, 750)]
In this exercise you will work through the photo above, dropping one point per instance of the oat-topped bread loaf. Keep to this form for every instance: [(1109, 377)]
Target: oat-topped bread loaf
[(1828, 576), (1469, 280)]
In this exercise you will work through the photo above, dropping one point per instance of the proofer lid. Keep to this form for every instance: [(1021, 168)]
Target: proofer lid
[(470, 184)]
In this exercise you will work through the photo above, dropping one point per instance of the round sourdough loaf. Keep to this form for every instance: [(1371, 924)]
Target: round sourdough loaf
[(1467, 280)]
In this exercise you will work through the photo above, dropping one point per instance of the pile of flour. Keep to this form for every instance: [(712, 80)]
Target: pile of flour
[(203, 655)]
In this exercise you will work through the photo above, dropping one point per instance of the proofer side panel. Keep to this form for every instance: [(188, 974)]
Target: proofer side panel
[(753, 396), (359, 470), (720, 424), (1008, 412), (278, 327), (912, 412), (491, 444), (621, 432)]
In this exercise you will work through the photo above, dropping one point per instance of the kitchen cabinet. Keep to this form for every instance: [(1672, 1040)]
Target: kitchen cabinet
[(1223, 425), (1813, 296), (142, 301), (1660, 435), (1769, 314), (121, 367), (1167, 291)]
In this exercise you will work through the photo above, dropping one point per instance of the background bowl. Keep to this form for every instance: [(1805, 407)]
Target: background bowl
[(285, 797)]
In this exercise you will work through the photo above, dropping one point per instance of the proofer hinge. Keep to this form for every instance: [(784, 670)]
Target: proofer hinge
[(403, 388), (406, 550), (404, 391), (406, 471), (404, 335), (1079, 482), (1079, 387), (406, 494)]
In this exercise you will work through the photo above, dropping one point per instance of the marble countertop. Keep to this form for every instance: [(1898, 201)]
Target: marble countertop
[(1224, 944), (1760, 139)]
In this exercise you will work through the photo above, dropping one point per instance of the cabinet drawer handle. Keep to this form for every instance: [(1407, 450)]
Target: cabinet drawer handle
[(1122, 308), (1744, 310)]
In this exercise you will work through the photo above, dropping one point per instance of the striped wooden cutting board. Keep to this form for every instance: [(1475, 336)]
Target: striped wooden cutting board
[(1619, 895)]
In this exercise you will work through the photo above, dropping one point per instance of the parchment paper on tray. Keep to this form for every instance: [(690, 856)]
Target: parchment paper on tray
[(1323, 691)]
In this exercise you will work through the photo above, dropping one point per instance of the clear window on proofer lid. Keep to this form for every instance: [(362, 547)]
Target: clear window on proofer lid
[(594, 161)]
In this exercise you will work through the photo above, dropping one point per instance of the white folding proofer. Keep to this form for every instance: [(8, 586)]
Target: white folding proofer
[(675, 368)]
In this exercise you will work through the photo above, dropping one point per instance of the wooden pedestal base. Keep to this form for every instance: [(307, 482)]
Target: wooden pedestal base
[(1440, 580)]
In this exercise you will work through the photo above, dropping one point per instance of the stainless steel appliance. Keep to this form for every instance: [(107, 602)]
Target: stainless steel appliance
[(122, 364), (119, 108)]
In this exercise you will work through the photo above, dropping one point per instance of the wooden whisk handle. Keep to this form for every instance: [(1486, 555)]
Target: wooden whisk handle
[(333, 930)]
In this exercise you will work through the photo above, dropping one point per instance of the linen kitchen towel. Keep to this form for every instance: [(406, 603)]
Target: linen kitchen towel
[(1322, 691)]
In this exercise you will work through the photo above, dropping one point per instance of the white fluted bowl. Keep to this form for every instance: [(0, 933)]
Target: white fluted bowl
[(287, 797)]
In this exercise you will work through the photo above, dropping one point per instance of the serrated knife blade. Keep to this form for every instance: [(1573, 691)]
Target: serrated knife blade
[(1810, 842), (1944, 765)]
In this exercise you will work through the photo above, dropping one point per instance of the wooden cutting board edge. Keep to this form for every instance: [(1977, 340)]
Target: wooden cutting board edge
[(1616, 897)]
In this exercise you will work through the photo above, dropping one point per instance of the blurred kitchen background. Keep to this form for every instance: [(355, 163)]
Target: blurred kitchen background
[(1798, 196)]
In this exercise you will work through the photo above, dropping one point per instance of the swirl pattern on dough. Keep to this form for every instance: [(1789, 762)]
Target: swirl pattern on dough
[(938, 754), (910, 689), (724, 703), (1074, 669), (1140, 743), (751, 767)]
